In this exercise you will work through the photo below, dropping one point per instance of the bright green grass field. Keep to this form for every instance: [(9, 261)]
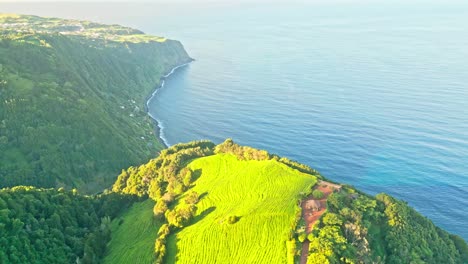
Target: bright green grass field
[(263, 193), (133, 240)]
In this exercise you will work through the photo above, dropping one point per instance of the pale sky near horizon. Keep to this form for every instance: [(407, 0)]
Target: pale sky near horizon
[(211, 1), (129, 1), (192, 1)]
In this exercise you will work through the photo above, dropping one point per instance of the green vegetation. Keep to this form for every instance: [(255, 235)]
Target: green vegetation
[(361, 229), (235, 204), (263, 195), (317, 194), (201, 203), (184, 194), (71, 114), (55, 226), (72, 98), (133, 235), (25, 27)]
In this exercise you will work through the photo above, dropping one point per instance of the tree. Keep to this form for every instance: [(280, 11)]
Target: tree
[(232, 219), (332, 219), (160, 208), (317, 258), (317, 194), (191, 197), (302, 237)]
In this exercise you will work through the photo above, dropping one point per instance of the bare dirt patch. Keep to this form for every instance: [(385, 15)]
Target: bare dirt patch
[(312, 214)]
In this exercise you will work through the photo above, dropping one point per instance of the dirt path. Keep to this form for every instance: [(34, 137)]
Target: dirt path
[(304, 251), (311, 215)]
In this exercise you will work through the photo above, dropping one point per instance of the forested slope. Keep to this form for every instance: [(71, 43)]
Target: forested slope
[(56, 226), (72, 98)]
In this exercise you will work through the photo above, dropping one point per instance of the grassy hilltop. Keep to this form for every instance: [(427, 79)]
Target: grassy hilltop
[(234, 204), (247, 203), (72, 98), (262, 197)]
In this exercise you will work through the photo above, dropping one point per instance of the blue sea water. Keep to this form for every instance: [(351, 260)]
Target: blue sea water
[(370, 94), (373, 96)]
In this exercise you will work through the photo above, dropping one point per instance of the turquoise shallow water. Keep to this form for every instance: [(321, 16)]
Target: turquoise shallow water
[(373, 95)]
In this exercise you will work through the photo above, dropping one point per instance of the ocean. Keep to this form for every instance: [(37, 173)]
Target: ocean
[(371, 94)]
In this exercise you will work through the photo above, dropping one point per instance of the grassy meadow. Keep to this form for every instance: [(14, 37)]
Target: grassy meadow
[(262, 195), (133, 239)]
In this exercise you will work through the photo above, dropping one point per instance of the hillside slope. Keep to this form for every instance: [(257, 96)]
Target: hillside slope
[(263, 198), (55, 226), (72, 98), (201, 203), (133, 235), (234, 204)]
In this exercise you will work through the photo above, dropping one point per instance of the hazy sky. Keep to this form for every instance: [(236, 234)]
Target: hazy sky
[(131, 0), (215, 1), (189, 1)]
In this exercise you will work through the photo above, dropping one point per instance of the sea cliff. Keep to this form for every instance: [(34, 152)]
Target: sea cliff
[(72, 99)]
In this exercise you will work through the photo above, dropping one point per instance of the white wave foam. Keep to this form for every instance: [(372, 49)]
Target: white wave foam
[(159, 122)]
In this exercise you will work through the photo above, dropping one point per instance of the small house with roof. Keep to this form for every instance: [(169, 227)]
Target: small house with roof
[(313, 205)]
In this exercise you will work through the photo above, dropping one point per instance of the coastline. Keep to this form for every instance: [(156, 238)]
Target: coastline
[(158, 126)]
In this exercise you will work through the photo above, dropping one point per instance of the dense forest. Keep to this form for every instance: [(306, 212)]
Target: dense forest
[(56, 226), (72, 100)]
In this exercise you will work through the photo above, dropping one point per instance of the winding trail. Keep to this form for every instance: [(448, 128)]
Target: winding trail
[(310, 214)]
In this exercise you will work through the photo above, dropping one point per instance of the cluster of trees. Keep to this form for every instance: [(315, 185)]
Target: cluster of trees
[(412, 238), (174, 219), (165, 176), (249, 153), (358, 228), (56, 226), (242, 152), (61, 121), (164, 179)]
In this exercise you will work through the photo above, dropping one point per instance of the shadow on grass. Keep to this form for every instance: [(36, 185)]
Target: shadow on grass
[(201, 196), (171, 242), (199, 217), (195, 175)]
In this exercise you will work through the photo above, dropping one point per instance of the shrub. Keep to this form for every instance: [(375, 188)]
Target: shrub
[(191, 197), (332, 219), (317, 194), (232, 219), (160, 208), (302, 237)]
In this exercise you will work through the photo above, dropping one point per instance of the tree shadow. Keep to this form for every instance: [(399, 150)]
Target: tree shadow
[(201, 196), (172, 240), (196, 174), (199, 217)]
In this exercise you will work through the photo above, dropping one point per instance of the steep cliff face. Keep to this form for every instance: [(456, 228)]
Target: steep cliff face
[(72, 97)]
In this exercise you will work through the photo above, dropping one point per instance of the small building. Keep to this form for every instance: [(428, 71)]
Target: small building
[(313, 205), (335, 187)]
